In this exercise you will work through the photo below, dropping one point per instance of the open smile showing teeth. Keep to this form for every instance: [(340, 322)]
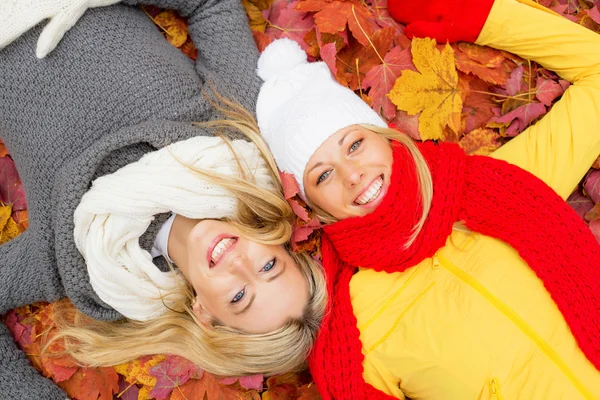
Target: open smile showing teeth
[(371, 193), (221, 248)]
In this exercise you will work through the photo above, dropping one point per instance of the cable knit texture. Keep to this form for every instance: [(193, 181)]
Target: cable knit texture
[(493, 198), (113, 90)]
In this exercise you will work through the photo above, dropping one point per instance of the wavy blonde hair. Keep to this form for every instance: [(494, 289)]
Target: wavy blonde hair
[(263, 216)]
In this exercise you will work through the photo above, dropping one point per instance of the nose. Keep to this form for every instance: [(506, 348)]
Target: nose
[(352, 173), (240, 265)]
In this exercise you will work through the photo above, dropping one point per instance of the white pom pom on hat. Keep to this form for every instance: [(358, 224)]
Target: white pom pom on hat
[(300, 105), (279, 57)]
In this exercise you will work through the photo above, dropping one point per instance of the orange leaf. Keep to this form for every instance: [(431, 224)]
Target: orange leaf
[(488, 64), (480, 142), (209, 385), (333, 16), (3, 149), (92, 384)]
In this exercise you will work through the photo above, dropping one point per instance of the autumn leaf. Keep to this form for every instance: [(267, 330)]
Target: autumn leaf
[(208, 385), (174, 26), (486, 63), (513, 84), (3, 149), (171, 373), (381, 15), (354, 61), (480, 142), (328, 54), (478, 102), (591, 185), (309, 392), (127, 391), (285, 21), (8, 227), (92, 384), (381, 79), (254, 382), (433, 91), (256, 19), (521, 117), (547, 90), (282, 387), (407, 124), (580, 203), (594, 14), (11, 189), (333, 16)]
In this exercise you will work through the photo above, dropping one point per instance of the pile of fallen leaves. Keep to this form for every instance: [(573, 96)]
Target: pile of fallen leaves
[(476, 96)]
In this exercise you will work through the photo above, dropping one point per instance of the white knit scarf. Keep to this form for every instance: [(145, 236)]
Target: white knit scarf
[(119, 207)]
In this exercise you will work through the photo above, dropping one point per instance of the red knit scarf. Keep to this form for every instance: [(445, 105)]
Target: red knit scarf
[(492, 197)]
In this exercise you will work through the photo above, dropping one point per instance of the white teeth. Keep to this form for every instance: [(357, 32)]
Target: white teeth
[(220, 248), (371, 193)]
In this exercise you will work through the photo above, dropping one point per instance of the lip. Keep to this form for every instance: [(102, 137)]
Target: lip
[(212, 246), (378, 199)]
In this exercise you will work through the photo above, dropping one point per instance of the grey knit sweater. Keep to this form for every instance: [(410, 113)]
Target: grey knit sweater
[(113, 90)]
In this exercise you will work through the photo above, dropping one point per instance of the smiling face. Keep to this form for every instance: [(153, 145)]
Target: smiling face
[(349, 174), (249, 286)]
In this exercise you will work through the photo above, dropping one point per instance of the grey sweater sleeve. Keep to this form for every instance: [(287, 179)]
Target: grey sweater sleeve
[(219, 29), (18, 380)]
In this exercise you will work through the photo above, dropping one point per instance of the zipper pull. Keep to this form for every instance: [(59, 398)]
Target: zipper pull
[(436, 261), (495, 389)]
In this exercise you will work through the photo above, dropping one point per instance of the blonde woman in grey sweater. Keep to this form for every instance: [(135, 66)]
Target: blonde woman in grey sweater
[(115, 104)]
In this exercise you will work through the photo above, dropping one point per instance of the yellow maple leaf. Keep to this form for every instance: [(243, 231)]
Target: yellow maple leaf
[(433, 91), (137, 370), (8, 226)]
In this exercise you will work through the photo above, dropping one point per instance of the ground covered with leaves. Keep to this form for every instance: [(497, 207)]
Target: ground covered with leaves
[(476, 96)]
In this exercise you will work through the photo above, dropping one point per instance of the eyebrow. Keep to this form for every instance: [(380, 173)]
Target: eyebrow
[(340, 142), (271, 279)]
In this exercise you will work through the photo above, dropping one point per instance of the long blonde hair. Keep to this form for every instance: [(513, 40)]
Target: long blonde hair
[(263, 216)]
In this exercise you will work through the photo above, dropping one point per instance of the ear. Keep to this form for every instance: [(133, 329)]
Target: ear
[(203, 316)]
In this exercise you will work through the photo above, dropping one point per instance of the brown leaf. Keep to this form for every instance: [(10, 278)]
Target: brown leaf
[(480, 142)]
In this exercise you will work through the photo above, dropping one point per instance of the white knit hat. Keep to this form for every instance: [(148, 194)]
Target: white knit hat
[(300, 105)]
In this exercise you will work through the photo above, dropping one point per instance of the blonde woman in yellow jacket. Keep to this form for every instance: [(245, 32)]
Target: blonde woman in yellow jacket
[(473, 321)]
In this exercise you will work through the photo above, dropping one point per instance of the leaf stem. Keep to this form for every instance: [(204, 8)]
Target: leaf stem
[(365, 33)]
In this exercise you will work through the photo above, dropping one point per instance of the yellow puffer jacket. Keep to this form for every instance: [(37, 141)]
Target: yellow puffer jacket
[(474, 322)]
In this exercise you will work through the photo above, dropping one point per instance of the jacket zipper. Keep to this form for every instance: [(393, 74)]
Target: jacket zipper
[(518, 321), (495, 389)]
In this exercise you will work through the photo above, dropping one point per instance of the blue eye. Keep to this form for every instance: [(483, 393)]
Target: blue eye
[(355, 145), (238, 296), (269, 266), (323, 176)]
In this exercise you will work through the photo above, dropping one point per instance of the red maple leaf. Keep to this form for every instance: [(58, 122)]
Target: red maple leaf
[(171, 373), (354, 61), (547, 90), (284, 21), (521, 117), (381, 79), (333, 16)]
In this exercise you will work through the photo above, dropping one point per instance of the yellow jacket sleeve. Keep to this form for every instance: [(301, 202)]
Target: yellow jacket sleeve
[(561, 147)]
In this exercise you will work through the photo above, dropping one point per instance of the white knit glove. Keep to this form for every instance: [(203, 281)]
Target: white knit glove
[(18, 16)]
